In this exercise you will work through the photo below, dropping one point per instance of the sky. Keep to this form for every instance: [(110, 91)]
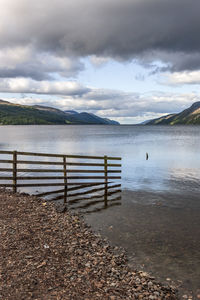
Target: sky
[(129, 60)]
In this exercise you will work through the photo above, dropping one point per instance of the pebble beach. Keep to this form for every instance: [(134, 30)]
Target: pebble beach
[(46, 254)]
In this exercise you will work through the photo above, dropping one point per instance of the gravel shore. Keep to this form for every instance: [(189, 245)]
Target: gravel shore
[(45, 255)]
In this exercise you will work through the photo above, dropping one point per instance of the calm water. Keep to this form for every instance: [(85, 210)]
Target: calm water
[(174, 157), (158, 220)]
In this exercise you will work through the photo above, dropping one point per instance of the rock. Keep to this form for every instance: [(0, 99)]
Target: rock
[(150, 284), (87, 265)]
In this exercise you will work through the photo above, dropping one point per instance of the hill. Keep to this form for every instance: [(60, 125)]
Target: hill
[(16, 114), (88, 118), (189, 116)]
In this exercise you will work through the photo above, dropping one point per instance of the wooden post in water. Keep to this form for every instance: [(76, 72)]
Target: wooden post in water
[(65, 179), (14, 171), (106, 180)]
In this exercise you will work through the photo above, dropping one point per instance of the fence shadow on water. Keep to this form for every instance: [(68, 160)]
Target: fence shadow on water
[(87, 199), (88, 182)]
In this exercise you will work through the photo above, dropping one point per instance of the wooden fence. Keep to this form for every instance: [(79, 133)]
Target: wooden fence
[(67, 171)]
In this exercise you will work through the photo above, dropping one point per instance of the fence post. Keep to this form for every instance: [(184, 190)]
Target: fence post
[(14, 171), (65, 178), (106, 179)]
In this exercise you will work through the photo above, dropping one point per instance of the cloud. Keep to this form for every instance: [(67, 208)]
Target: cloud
[(29, 86), (42, 44), (118, 29), (118, 105), (99, 60), (180, 78), (173, 61), (26, 62)]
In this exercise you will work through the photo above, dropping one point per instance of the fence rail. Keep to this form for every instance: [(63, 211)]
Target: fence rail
[(68, 171), (59, 155)]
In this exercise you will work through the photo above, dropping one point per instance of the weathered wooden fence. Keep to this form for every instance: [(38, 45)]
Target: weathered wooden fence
[(72, 172)]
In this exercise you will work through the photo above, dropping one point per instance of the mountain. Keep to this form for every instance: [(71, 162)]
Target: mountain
[(71, 111), (49, 109), (145, 122), (189, 116), (4, 102), (16, 114), (88, 118)]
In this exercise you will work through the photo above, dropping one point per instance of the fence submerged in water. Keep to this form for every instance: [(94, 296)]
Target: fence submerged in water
[(84, 175)]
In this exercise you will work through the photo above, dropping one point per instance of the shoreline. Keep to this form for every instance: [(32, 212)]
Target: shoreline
[(159, 233), (48, 255)]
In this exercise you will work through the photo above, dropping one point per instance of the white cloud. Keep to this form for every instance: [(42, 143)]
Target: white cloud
[(180, 78), (99, 60), (29, 86)]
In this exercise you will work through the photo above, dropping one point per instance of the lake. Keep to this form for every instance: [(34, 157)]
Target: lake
[(158, 220)]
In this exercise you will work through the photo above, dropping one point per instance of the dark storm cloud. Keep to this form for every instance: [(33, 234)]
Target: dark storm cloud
[(40, 71), (171, 61), (115, 28), (185, 61), (24, 72), (27, 62)]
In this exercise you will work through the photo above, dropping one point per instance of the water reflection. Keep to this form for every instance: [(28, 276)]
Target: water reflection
[(86, 199)]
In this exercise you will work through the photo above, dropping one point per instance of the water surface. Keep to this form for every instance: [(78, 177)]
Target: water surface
[(157, 220), (174, 158)]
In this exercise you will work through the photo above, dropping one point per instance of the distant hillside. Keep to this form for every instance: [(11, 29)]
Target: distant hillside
[(189, 116), (16, 114), (87, 118)]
